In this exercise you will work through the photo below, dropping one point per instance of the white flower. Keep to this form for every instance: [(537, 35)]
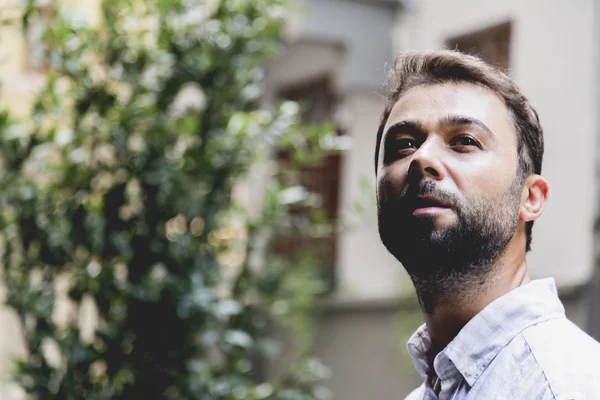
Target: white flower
[(106, 154), (78, 155), (153, 74), (51, 352), (191, 98), (293, 195), (103, 181), (136, 143), (122, 90), (98, 74), (38, 166), (63, 137), (195, 16), (94, 268)]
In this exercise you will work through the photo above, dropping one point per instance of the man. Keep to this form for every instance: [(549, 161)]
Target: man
[(458, 163)]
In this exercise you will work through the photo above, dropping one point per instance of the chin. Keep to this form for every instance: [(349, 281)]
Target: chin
[(440, 227), (430, 228)]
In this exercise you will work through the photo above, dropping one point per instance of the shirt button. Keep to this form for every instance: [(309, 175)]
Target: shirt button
[(471, 369)]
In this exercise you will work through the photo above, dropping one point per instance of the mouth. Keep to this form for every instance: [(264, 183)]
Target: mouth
[(428, 205)]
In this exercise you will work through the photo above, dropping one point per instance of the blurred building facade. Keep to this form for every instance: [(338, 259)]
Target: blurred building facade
[(550, 51), (336, 57)]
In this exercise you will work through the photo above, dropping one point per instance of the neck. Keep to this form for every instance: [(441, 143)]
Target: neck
[(448, 309)]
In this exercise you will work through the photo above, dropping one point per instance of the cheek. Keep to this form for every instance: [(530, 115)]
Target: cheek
[(484, 174), (391, 181), (485, 179)]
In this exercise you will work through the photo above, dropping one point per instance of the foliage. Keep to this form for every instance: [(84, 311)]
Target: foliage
[(116, 201)]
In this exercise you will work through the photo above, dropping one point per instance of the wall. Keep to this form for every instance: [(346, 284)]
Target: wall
[(351, 42), (365, 30), (363, 345), (553, 60)]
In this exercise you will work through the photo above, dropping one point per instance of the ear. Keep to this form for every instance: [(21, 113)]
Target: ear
[(534, 197)]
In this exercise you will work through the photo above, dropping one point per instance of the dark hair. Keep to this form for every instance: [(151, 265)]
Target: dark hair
[(435, 67)]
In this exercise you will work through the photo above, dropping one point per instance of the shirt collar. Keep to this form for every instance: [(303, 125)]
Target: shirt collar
[(482, 338)]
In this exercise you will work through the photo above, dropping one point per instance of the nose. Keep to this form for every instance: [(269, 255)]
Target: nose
[(427, 162)]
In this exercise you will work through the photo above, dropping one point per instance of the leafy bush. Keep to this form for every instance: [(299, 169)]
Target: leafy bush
[(118, 205)]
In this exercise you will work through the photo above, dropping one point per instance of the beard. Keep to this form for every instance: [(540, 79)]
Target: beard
[(447, 261)]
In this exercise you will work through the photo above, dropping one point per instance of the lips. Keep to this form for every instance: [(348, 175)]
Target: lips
[(430, 201), (425, 205)]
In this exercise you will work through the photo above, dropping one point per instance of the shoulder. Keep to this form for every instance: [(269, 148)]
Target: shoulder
[(416, 394), (560, 340), (567, 356)]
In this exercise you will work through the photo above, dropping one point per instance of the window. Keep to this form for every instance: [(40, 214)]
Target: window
[(318, 103), (491, 44)]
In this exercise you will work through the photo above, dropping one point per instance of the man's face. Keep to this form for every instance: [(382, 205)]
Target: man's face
[(447, 187)]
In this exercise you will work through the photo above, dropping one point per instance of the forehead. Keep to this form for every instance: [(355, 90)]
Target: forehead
[(430, 104)]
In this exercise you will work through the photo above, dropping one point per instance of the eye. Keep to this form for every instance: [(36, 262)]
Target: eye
[(400, 147), (406, 143), (465, 141)]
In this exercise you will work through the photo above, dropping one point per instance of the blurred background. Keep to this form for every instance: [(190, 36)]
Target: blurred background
[(334, 58)]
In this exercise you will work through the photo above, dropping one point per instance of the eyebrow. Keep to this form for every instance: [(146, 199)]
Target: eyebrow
[(416, 126), (453, 120)]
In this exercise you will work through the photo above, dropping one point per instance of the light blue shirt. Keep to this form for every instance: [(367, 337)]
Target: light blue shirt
[(520, 347)]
